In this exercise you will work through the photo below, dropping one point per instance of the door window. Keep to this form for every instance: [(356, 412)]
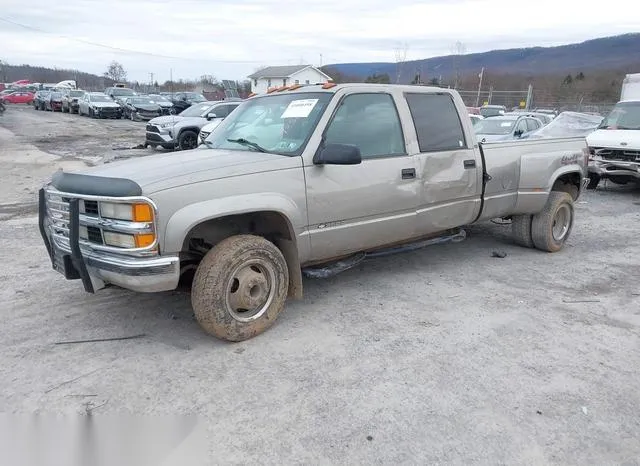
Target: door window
[(522, 126), (369, 122), (532, 124), (437, 122)]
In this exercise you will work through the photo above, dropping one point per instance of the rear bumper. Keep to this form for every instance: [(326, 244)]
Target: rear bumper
[(96, 268)]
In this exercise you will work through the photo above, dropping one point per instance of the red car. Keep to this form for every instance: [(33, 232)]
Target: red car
[(19, 98)]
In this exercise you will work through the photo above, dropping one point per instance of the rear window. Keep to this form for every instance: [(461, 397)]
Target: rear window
[(437, 122)]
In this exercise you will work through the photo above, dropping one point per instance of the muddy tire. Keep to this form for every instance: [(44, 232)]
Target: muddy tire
[(551, 227), (188, 140), (240, 288), (521, 230)]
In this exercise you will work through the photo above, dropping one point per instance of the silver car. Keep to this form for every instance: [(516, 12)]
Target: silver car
[(181, 131), (505, 127)]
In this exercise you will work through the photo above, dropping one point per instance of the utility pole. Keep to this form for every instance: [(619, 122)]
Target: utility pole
[(481, 75), (151, 80), (171, 80)]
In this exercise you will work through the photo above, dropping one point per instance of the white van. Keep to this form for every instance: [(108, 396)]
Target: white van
[(615, 145)]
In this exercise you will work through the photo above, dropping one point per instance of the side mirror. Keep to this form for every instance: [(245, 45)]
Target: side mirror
[(518, 133), (211, 116), (338, 154)]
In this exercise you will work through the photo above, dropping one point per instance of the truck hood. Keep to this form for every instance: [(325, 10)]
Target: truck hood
[(615, 139), (162, 171)]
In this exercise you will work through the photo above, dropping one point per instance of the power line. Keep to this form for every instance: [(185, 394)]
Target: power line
[(120, 49)]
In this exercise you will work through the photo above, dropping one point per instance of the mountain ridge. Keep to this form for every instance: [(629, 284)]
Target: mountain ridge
[(613, 52)]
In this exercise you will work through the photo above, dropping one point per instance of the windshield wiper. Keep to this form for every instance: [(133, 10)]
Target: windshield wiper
[(244, 142)]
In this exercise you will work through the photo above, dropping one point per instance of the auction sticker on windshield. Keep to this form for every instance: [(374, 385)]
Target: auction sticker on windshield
[(299, 108)]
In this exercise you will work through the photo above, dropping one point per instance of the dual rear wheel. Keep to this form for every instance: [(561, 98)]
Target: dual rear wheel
[(549, 229)]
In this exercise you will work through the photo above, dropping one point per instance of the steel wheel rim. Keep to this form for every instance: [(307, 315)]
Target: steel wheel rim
[(250, 290), (561, 223)]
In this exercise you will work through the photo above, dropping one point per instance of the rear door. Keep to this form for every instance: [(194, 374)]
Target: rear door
[(357, 207), (449, 166)]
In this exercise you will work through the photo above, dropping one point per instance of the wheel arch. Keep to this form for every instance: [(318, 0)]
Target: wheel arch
[(569, 182), (269, 215)]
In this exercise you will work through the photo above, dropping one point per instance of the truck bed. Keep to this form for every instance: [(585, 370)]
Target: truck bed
[(522, 172)]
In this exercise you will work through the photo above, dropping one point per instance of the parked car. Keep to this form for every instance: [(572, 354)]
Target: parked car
[(39, 99), (181, 131), (54, 102), (183, 100), (165, 104), (567, 125), (492, 110), (140, 108), (98, 105), (19, 97), (341, 171), (118, 94), (70, 100), (505, 127), (545, 118)]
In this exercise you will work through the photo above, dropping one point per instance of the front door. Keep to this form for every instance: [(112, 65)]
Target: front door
[(449, 167), (357, 207)]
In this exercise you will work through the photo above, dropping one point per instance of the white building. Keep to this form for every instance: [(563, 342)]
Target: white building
[(276, 76)]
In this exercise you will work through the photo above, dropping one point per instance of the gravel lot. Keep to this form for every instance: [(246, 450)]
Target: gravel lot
[(446, 355)]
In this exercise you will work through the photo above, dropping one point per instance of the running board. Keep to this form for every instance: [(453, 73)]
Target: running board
[(334, 268)]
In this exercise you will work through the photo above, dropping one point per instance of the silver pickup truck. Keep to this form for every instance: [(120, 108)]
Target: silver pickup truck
[(297, 179)]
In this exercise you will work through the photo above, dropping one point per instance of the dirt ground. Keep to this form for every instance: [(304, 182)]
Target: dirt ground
[(445, 355)]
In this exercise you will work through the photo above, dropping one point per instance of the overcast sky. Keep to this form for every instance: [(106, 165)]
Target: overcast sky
[(231, 38)]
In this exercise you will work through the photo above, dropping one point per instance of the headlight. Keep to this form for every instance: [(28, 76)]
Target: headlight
[(204, 135), (123, 240), (166, 125), (132, 212)]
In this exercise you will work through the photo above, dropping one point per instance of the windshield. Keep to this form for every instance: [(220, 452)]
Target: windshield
[(625, 115), (494, 126), (56, 95), (159, 98), (100, 98), (76, 93), (491, 111), (118, 92), (197, 110), (142, 100), (195, 97), (569, 124), (279, 124)]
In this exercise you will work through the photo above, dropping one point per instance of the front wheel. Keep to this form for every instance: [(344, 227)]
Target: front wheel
[(551, 227), (240, 287), (188, 140)]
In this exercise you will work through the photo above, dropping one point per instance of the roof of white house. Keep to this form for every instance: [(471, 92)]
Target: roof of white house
[(282, 71)]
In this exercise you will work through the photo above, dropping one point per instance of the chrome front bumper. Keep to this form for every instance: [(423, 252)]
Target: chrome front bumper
[(97, 269), (607, 169)]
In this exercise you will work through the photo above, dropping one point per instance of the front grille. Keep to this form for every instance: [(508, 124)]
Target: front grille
[(58, 213), (152, 129), (619, 154), (154, 137), (92, 226)]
